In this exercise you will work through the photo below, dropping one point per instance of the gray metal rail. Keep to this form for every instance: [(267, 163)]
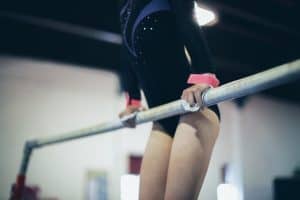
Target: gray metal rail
[(242, 87)]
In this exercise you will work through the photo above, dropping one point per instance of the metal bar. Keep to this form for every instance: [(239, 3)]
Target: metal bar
[(242, 87), (245, 86), (254, 83), (160, 112)]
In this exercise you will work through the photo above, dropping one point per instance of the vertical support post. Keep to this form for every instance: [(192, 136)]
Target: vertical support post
[(17, 190)]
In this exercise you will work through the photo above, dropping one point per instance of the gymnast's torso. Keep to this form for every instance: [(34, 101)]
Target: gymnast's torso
[(140, 14), (154, 34)]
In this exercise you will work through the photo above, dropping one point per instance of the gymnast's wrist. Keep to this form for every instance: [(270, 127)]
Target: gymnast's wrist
[(136, 102), (206, 78)]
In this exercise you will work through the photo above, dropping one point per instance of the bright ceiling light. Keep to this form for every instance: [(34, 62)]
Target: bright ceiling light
[(204, 16)]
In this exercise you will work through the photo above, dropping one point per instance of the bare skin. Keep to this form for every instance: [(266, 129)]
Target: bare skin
[(190, 155), (155, 164), (175, 168)]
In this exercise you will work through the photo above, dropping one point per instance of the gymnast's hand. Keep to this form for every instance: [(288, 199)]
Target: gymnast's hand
[(193, 94), (128, 116)]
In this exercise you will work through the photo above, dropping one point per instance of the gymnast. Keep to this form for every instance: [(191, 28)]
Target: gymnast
[(165, 54)]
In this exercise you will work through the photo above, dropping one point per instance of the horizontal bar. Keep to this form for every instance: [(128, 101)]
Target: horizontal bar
[(245, 86), (254, 83), (242, 87)]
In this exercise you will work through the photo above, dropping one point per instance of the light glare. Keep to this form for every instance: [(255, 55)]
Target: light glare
[(204, 16), (227, 192)]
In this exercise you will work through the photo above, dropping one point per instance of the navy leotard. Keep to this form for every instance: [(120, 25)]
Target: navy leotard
[(154, 34)]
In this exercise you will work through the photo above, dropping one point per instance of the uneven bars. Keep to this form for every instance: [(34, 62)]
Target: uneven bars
[(232, 90)]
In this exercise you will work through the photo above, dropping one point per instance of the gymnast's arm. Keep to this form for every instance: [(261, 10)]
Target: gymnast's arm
[(132, 89), (202, 69), (129, 79), (192, 36)]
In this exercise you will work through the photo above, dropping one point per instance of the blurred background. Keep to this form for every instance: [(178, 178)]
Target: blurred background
[(59, 63)]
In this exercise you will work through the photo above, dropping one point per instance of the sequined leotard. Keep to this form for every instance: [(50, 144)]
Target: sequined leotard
[(154, 34)]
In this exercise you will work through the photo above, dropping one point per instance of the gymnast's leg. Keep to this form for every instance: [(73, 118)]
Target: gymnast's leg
[(155, 165), (190, 154)]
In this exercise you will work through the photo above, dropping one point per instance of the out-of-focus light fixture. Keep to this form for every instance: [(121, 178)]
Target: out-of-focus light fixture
[(204, 16), (130, 187), (227, 191)]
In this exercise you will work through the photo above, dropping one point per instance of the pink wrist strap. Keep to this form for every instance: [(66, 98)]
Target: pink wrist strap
[(132, 102), (207, 78)]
